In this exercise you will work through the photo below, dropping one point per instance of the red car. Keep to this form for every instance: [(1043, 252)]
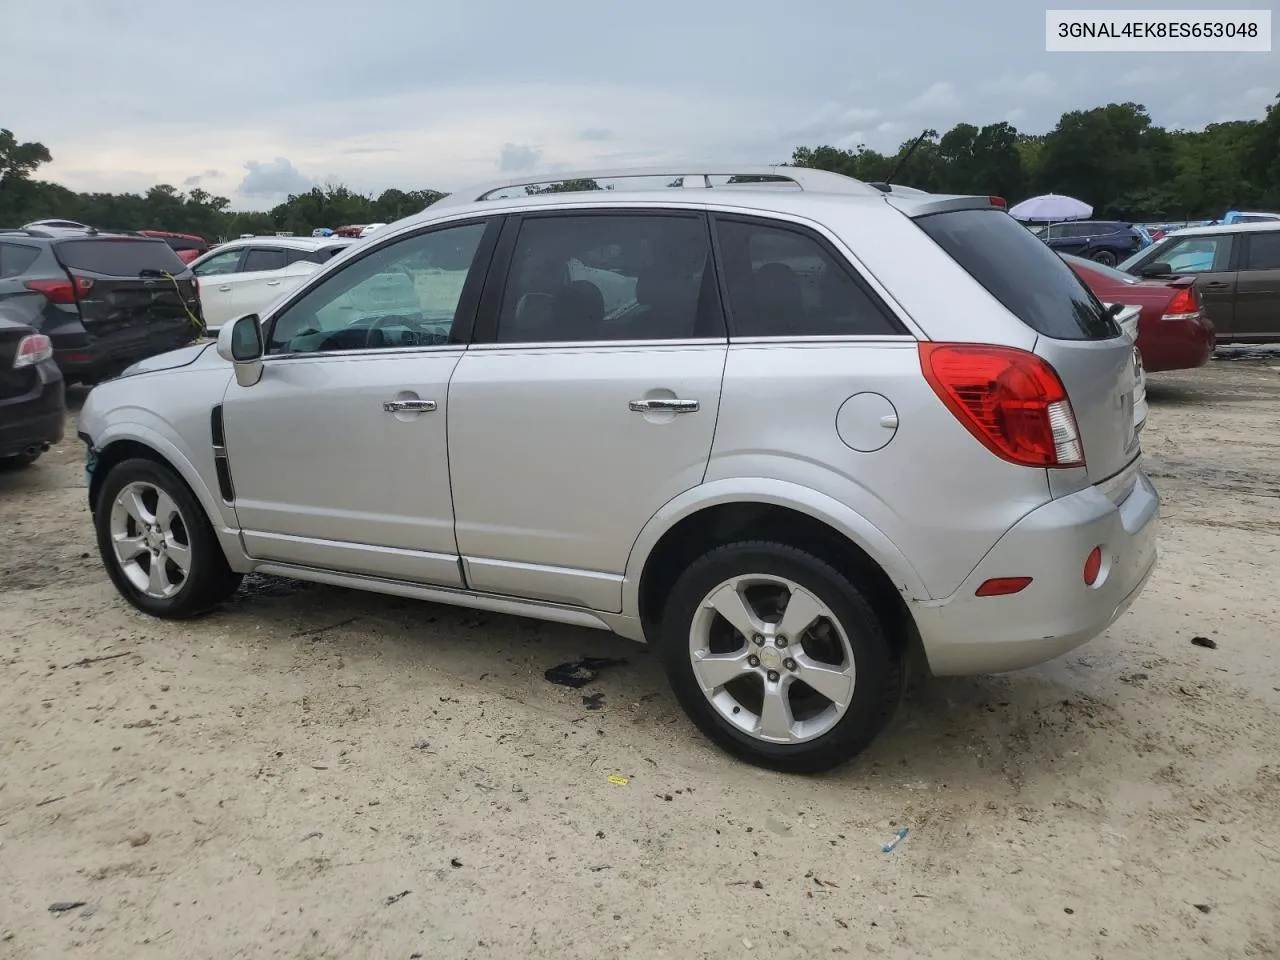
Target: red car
[(187, 246), (1173, 332)]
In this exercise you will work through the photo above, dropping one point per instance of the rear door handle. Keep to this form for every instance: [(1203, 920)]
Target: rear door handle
[(664, 405), (409, 406), (1216, 285), (273, 283), (225, 289)]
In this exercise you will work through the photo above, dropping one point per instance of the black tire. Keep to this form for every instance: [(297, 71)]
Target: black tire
[(209, 582), (1105, 257), (18, 461), (878, 682)]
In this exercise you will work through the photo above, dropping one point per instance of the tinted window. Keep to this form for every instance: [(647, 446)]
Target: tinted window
[(15, 258), (622, 277), (1026, 276), (1264, 251), (1203, 254), (404, 295), (228, 261), (260, 258), (784, 283), (293, 255), (119, 257)]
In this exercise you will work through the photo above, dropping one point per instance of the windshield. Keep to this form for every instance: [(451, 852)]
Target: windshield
[(1025, 275), (1101, 268)]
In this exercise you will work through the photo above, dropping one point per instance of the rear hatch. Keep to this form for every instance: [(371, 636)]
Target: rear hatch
[(1077, 335), (135, 296)]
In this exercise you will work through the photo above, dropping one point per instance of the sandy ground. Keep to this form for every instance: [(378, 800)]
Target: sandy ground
[(318, 773)]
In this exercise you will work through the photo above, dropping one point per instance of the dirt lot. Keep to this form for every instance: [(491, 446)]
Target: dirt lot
[(319, 773)]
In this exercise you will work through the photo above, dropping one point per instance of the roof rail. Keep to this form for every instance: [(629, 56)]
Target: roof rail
[(692, 176)]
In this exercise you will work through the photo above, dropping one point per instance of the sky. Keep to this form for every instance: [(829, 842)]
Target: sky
[(256, 99)]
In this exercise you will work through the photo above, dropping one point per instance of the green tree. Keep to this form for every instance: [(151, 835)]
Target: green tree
[(17, 162)]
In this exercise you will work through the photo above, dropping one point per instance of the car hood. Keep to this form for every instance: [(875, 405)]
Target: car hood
[(182, 357)]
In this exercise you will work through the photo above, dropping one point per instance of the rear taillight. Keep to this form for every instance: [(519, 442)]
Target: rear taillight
[(1184, 305), (1012, 401), (32, 349), (61, 291), (998, 202)]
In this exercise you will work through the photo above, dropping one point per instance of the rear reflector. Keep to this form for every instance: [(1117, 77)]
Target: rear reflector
[(1002, 586), (32, 349), (1012, 401), (1092, 566)]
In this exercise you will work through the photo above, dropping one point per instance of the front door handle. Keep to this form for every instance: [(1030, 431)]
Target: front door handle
[(1216, 285), (663, 405), (273, 283), (409, 406), (225, 289)]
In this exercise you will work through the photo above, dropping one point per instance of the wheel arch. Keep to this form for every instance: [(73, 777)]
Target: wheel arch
[(117, 446), (726, 511)]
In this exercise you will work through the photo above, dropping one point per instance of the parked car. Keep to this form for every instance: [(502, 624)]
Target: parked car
[(1173, 332), (1106, 241), (1237, 275), (245, 275), (1246, 216), (104, 300), (371, 228), (56, 224), (32, 402), (788, 465), (351, 230), (186, 245)]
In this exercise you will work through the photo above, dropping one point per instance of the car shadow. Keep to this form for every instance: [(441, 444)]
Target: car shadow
[(1011, 729)]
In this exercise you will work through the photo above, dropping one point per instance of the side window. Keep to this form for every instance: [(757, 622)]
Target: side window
[(784, 283), (404, 295), (263, 258), (293, 255), (226, 262), (1198, 254), (15, 259), (1264, 252), (609, 277)]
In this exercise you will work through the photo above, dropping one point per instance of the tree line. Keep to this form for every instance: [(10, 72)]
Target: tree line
[(1112, 157)]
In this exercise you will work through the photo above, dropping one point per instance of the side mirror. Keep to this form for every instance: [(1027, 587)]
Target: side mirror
[(1157, 269), (240, 343)]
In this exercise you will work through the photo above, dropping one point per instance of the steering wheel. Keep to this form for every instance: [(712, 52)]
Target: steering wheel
[(417, 326)]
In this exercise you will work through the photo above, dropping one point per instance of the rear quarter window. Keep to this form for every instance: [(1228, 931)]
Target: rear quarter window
[(119, 257), (15, 258), (1026, 276)]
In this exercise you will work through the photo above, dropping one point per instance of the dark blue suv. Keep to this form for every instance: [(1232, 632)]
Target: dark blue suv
[(1106, 241)]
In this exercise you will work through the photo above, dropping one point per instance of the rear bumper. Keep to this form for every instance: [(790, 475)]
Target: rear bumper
[(1176, 344), (966, 634), (35, 419), (101, 357)]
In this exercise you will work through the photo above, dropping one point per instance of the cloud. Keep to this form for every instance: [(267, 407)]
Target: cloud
[(195, 179), (595, 134), (937, 97), (517, 158), (276, 178)]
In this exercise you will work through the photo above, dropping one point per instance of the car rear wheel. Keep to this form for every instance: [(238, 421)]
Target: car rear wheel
[(1105, 257), (778, 658), (18, 461), (157, 544)]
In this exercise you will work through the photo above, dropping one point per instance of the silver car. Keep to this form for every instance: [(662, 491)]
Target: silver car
[(789, 436)]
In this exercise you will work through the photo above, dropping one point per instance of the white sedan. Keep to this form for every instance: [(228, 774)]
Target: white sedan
[(247, 275)]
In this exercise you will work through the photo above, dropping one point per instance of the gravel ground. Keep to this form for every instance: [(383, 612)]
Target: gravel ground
[(314, 773)]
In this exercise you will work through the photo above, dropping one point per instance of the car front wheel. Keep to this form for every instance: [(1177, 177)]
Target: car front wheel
[(157, 544), (779, 658)]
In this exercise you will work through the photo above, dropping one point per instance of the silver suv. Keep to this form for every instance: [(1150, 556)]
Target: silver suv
[(789, 430)]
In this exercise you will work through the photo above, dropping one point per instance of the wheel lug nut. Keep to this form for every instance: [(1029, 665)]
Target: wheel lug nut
[(773, 676), (789, 664), (753, 661), (781, 640), (758, 640)]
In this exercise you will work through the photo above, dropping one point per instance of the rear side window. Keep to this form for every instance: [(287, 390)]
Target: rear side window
[(1264, 251), (784, 283), (15, 259), (1029, 278), (609, 277), (119, 257), (263, 259)]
